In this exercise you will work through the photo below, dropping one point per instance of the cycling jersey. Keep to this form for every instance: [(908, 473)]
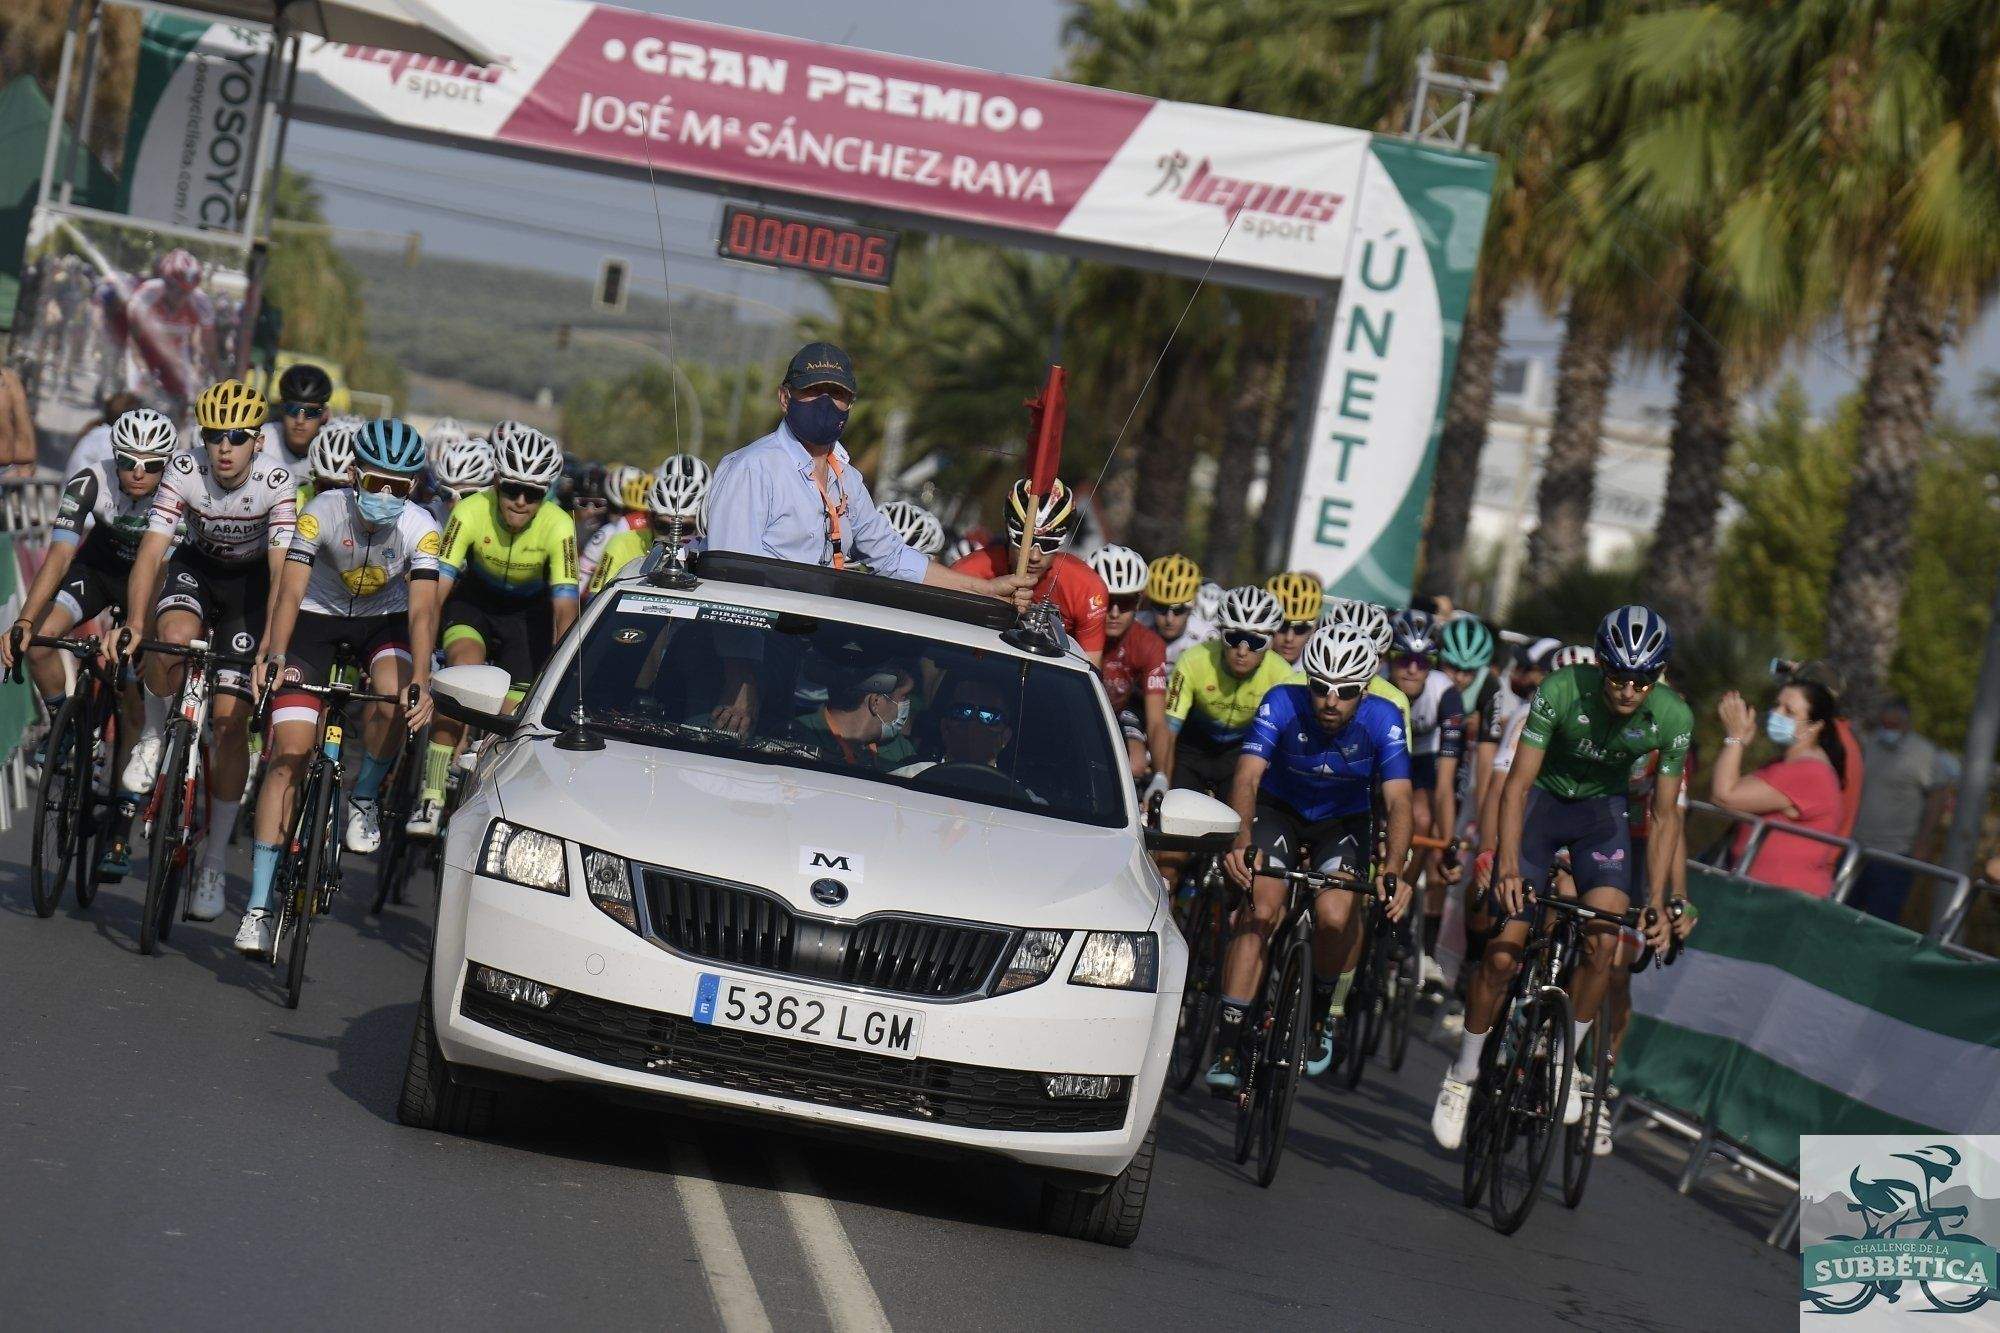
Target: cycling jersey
[(1211, 708), (1321, 774), (358, 570), (271, 444), (624, 547), (168, 334), (100, 520), (1134, 666), (1437, 720), (606, 533), (514, 566), (91, 448), (230, 527), (1590, 750), (1075, 588), (1382, 689), (1197, 630)]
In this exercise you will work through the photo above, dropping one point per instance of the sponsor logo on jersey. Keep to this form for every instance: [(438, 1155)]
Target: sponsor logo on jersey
[(430, 544), (309, 527)]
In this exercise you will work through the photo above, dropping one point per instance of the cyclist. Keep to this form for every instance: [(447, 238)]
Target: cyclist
[(1465, 654), (330, 460), (303, 393), (1134, 669), (1372, 623), (1437, 743), (1171, 581), (167, 329), (239, 509), (1216, 687), (620, 516), (917, 525), (1566, 789), (362, 570), (960, 549), (1315, 759), (507, 582), (1208, 601), (444, 431), (457, 470), (1074, 587), (672, 500), (1301, 597)]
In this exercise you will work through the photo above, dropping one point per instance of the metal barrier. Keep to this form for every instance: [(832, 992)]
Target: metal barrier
[(28, 507)]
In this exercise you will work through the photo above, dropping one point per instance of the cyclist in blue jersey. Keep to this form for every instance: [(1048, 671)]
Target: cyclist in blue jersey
[(1315, 759)]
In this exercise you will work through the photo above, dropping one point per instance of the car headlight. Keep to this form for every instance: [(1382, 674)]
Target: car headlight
[(608, 881), (1035, 955), (524, 856), (1118, 960)]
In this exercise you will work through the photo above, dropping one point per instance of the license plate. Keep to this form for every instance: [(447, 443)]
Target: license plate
[(829, 1020)]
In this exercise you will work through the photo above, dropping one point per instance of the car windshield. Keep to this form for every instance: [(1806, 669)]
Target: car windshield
[(811, 692)]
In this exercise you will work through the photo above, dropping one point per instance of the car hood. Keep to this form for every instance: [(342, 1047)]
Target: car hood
[(782, 828)]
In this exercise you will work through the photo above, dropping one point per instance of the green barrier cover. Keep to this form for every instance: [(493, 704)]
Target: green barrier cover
[(17, 703)]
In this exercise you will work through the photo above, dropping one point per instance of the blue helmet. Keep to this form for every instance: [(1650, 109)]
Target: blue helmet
[(389, 445), (1413, 634), (1635, 639)]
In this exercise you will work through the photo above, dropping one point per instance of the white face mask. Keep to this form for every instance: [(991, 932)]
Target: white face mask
[(894, 726)]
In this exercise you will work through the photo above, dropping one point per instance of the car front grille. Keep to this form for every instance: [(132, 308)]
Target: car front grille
[(746, 927), (674, 1046)]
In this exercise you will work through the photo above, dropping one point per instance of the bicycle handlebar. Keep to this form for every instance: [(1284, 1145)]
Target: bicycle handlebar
[(191, 650), (1631, 917), (1322, 879), (351, 694)]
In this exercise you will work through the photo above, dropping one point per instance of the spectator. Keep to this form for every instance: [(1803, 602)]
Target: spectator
[(1802, 788), (1909, 787), (17, 427), (1856, 774)]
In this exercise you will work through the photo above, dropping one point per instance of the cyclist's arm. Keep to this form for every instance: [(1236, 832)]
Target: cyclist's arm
[(458, 539), (563, 579), (1159, 740), (424, 603), (1663, 840), (281, 570), (142, 585), (1398, 806), (55, 567), (1243, 794), (288, 587), (1514, 807)]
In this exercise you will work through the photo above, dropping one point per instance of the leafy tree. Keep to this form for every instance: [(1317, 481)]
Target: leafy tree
[(319, 294)]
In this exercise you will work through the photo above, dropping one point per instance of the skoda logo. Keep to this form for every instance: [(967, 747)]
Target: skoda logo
[(829, 892)]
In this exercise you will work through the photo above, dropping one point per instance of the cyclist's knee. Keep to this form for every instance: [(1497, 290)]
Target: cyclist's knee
[(1500, 960)]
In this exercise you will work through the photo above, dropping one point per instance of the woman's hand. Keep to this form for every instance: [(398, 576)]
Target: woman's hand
[(1739, 720)]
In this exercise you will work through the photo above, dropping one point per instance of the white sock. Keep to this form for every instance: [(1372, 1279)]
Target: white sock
[(156, 711), (215, 846), (1470, 1045), (1579, 1031)]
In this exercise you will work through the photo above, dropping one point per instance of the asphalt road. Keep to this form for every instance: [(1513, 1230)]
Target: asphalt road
[(178, 1150)]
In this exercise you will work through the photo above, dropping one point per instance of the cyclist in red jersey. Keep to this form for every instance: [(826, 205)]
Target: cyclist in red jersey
[(170, 328), (1134, 668), (1074, 587)]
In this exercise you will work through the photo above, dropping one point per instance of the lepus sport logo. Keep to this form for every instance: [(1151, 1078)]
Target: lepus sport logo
[(1913, 1232)]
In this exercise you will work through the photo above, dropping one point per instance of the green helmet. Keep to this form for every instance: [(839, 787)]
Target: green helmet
[(1466, 643)]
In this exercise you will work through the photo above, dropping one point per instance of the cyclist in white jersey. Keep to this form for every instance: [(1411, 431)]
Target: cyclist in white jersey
[(238, 511), (303, 393)]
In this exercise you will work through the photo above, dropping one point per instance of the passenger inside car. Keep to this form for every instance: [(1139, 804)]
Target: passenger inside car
[(865, 717)]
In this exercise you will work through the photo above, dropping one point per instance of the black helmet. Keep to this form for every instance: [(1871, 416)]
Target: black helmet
[(304, 383)]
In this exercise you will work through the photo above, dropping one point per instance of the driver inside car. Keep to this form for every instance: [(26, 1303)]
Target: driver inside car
[(864, 721)]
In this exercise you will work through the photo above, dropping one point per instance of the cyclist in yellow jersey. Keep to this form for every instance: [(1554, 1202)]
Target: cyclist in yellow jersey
[(675, 501), (1216, 687), (508, 583)]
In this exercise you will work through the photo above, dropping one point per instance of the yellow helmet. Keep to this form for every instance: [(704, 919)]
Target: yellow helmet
[(1172, 579), (230, 405), (1298, 593), (635, 488)]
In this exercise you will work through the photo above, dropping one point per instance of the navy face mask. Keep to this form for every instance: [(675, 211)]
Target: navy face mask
[(816, 421)]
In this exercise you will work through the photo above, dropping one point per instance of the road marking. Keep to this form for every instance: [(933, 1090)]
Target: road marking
[(843, 1284), (730, 1285)]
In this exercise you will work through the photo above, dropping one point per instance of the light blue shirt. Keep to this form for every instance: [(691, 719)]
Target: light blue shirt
[(763, 501)]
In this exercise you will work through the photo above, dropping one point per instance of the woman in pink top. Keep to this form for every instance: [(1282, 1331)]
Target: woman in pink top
[(1803, 787)]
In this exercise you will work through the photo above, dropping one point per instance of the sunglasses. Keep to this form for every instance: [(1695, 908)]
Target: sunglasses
[(1638, 681), (1243, 638), (1178, 609), (240, 435), (1046, 542), (134, 463), (1300, 626), (383, 483), (1125, 603), (985, 717), (1410, 661), (594, 502), (515, 490), (305, 411), (1321, 689)]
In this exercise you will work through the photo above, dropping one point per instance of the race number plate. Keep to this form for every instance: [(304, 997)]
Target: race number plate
[(827, 1019)]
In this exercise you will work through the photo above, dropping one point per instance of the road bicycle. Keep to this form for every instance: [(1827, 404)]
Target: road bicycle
[(1526, 1067), (177, 809), (399, 854), (1382, 1000), (309, 861), (1203, 914), (78, 786)]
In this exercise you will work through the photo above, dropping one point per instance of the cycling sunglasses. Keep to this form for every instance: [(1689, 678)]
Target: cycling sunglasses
[(985, 717), (386, 483), (1130, 603), (305, 411), (1177, 609), (519, 490), (1321, 689), (590, 502), (1243, 638), (1426, 660), (240, 435), (1640, 681), (134, 463), (1300, 626)]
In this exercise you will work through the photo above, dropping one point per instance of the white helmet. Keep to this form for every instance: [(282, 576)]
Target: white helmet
[(1340, 655), (1366, 617), (959, 549), (677, 497), (443, 431), (1208, 600), (332, 453), (525, 455), (464, 465), (144, 432), (1251, 609), (917, 525), (1122, 569), (684, 465), (1576, 654)]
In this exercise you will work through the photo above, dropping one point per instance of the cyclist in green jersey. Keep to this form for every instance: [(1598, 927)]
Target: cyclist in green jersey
[(1586, 728)]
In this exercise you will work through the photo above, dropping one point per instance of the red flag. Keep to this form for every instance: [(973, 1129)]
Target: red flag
[(1047, 415)]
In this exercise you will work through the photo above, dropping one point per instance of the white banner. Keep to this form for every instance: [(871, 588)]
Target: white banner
[(194, 108)]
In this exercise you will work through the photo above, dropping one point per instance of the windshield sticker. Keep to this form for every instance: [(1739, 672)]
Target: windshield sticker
[(629, 635), (658, 606), (680, 608)]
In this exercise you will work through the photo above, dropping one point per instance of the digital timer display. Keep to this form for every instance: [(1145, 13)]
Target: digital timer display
[(812, 245)]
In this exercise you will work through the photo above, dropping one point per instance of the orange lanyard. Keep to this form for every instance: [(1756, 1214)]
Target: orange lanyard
[(847, 751), (833, 511)]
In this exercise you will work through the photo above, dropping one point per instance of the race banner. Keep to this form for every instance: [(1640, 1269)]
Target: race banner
[(194, 108), (1788, 1015)]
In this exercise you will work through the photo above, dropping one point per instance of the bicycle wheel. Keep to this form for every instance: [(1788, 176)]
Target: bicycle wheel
[(1405, 981), (1580, 1139), (317, 859), (1361, 999), (1534, 1082), (100, 801), (58, 826), (170, 847), (394, 862), (1285, 1056), (1200, 999)]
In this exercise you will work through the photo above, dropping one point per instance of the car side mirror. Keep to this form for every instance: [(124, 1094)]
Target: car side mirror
[(476, 696), (1189, 821)]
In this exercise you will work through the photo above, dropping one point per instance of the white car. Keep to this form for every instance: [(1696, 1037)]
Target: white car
[(734, 880)]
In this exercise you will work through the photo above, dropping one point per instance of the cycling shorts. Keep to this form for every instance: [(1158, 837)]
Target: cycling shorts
[(315, 639), (230, 600), (1594, 831), (87, 590), (1201, 769), (517, 637), (1423, 772), (1289, 841)]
